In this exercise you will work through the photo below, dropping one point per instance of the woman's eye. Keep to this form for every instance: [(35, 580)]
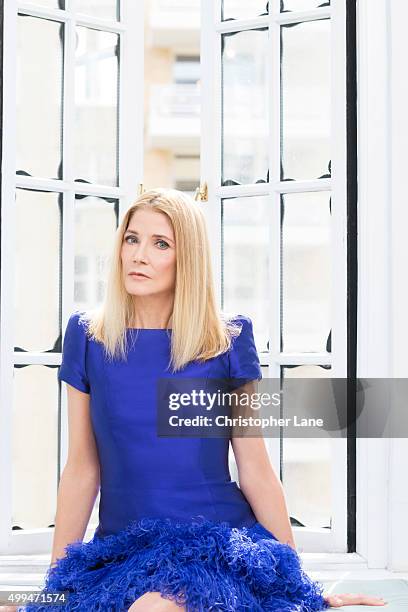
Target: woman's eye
[(163, 242), (129, 238)]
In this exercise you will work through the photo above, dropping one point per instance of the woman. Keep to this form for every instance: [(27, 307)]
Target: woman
[(174, 533)]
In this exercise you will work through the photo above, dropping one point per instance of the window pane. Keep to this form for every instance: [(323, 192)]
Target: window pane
[(108, 9), (242, 9), (307, 465), (34, 446), (305, 100), (96, 106), (37, 270), (39, 97), (245, 260), (244, 107), (92, 248), (302, 5), (306, 271)]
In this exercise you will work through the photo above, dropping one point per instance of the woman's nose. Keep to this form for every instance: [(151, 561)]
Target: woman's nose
[(139, 253)]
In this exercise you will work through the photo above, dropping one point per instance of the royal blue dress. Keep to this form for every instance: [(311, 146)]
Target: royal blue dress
[(170, 517)]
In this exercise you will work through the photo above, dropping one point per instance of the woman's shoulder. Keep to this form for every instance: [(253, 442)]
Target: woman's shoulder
[(78, 323), (79, 315), (241, 324), (243, 355), (73, 369), (233, 316)]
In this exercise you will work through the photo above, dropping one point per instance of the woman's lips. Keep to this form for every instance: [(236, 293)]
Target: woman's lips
[(139, 276)]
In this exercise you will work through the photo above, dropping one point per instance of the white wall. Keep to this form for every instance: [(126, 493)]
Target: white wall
[(382, 491), (398, 166)]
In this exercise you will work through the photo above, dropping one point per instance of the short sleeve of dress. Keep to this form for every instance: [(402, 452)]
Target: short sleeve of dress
[(243, 357), (73, 367)]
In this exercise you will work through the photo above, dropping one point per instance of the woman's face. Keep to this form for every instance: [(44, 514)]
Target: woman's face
[(148, 246)]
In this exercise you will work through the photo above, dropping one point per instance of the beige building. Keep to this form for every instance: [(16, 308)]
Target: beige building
[(172, 94)]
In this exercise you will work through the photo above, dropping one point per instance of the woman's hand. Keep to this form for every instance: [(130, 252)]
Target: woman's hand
[(336, 600)]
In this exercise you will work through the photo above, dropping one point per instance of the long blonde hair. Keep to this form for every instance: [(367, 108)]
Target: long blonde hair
[(200, 330)]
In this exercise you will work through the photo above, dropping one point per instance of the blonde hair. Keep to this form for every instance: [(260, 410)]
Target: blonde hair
[(199, 330)]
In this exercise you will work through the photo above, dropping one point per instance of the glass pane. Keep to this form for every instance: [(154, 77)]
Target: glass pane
[(92, 248), (244, 107), (305, 100), (108, 9), (37, 270), (96, 106), (302, 5), (242, 9), (306, 271), (245, 248), (39, 97), (34, 445), (307, 465)]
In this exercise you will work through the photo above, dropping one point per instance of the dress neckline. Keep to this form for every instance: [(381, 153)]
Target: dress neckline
[(150, 328)]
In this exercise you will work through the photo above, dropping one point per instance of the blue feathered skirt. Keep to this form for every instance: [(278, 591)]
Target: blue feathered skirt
[(201, 565)]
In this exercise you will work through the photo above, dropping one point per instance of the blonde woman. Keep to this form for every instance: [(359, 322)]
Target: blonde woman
[(174, 532)]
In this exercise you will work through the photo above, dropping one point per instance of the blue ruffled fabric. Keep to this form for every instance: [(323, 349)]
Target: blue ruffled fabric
[(202, 565)]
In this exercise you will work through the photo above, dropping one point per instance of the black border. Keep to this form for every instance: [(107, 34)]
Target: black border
[(352, 265)]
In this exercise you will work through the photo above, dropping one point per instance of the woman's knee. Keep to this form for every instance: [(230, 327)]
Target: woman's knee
[(153, 601)]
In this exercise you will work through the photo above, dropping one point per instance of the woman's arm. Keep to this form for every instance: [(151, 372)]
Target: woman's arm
[(80, 479), (262, 487), (257, 478)]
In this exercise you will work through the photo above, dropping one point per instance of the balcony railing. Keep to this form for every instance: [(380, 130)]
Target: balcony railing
[(175, 100)]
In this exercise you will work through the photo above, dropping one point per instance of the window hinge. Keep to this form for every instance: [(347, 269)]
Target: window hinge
[(201, 193)]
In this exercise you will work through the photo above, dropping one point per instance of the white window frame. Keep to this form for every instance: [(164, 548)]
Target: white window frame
[(131, 137), (307, 539)]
